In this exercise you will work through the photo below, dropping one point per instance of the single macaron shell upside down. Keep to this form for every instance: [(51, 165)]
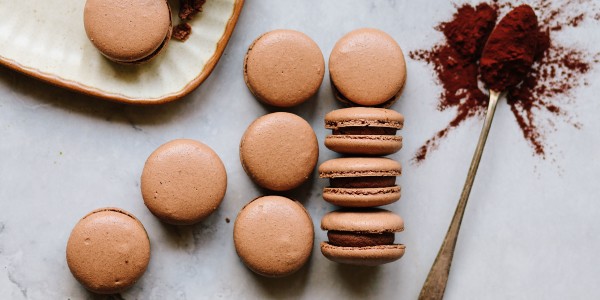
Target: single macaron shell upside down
[(364, 131), (279, 151), (183, 182), (284, 68), (108, 250), (367, 68), (273, 236), (128, 31), (361, 181), (362, 237)]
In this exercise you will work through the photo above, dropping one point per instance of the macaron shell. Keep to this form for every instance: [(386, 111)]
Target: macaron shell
[(373, 220), (359, 167), (284, 68), (364, 116), (367, 67), (340, 97), (127, 31), (361, 197), (279, 151), (183, 182), (273, 236), (155, 53), (363, 256), (108, 250), (376, 145)]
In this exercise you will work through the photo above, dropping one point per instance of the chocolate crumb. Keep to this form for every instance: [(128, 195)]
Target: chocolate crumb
[(227, 220), (185, 10), (182, 31), (189, 8), (197, 5)]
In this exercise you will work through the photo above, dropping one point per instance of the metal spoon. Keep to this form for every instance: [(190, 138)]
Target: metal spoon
[(435, 284)]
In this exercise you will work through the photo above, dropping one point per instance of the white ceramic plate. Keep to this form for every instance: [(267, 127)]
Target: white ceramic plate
[(46, 39)]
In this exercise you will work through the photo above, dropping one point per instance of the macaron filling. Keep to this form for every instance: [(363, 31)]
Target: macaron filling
[(359, 239), (363, 182), (367, 130)]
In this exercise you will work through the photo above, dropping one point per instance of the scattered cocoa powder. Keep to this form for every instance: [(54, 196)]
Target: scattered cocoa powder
[(546, 89)]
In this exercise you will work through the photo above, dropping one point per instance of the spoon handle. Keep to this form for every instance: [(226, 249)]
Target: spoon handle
[(435, 284)]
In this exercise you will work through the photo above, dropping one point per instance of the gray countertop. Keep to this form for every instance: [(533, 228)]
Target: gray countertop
[(530, 231)]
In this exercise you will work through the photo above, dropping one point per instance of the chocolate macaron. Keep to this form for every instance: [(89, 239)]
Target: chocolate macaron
[(128, 31), (364, 131), (279, 151), (183, 182), (367, 68), (361, 181), (273, 236), (108, 250), (284, 68), (363, 237)]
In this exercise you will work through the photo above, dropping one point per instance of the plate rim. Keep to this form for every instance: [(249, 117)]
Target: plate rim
[(93, 91)]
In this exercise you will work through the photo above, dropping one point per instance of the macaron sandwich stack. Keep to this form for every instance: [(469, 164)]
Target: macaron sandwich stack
[(367, 72)]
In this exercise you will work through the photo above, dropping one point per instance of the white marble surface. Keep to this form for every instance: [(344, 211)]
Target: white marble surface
[(530, 232)]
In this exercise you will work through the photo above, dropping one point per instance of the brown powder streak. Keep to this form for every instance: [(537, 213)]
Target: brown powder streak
[(546, 92)]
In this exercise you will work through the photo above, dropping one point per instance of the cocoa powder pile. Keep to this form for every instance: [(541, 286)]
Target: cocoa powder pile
[(510, 50), (546, 89)]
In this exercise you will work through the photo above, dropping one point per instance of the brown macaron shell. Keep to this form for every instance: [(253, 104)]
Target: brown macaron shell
[(279, 151), (371, 121), (108, 250), (367, 68), (367, 221), (273, 236), (363, 256), (371, 220), (128, 32), (183, 182), (361, 168), (361, 197), (284, 68)]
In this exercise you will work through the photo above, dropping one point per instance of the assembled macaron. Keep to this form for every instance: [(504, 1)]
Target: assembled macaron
[(284, 68), (273, 236), (364, 237), (183, 182), (108, 250), (364, 131), (128, 31), (279, 151), (367, 68), (361, 181)]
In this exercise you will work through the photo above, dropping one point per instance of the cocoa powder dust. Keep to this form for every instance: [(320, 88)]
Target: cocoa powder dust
[(545, 93)]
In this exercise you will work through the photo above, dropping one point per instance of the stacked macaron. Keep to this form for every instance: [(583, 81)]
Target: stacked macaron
[(367, 72)]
